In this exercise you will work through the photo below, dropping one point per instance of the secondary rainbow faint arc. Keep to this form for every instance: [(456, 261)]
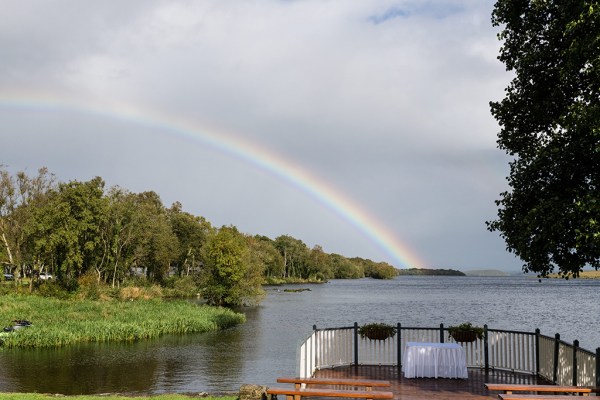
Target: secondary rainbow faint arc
[(241, 149)]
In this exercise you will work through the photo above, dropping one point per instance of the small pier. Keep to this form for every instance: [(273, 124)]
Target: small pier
[(501, 356), (430, 388)]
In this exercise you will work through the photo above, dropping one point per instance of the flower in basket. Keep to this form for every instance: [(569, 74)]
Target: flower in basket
[(466, 332), (377, 331)]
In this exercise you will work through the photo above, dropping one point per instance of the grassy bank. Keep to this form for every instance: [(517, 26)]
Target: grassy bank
[(582, 275), (289, 281), (62, 322), (36, 396)]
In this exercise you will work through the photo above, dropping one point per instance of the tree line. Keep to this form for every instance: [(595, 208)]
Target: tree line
[(70, 229)]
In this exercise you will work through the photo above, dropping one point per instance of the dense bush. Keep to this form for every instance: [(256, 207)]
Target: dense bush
[(181, 287), (52, 289)]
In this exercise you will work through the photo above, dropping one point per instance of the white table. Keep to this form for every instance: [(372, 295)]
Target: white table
[(434, 360)]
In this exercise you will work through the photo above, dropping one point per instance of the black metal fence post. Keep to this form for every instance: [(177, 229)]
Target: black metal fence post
[(556, 350), (575, 347), (356, 344), (399, 352), (486, 354), (537, 352), (441, 333), (597, 366)]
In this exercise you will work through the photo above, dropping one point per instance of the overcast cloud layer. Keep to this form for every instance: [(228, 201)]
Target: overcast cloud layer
[(385, 101)]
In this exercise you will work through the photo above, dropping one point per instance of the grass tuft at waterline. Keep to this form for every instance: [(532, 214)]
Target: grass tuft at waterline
[(63, 322)]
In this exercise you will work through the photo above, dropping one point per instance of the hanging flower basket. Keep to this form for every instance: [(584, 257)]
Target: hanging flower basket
[(464, 336), (377, 331), (466, 332)]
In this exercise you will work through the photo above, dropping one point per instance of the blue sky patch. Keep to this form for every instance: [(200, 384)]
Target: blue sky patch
[(391, 13), (431, 9)]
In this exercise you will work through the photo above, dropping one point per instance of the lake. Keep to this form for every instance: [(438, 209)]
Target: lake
[(265, 347)]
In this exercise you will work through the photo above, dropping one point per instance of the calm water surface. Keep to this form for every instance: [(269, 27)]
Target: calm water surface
[(265, 347)]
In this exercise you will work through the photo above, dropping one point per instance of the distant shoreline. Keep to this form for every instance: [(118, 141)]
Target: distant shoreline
[(428, 272), (582, 275)]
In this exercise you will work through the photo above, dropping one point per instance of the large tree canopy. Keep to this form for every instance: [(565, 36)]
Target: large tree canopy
[(550, 125)]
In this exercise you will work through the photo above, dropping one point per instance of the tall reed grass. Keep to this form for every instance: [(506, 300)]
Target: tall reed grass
[(62, 322)]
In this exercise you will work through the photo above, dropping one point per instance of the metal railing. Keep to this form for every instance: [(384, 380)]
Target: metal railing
[(528, 352)]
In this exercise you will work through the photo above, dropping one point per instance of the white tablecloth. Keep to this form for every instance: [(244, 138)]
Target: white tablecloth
[(434, 360)]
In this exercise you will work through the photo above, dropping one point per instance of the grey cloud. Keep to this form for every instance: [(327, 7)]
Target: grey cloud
[(386, 102)]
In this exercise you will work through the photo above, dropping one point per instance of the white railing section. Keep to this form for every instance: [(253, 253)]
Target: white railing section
[(565, 365), (377, 352), (546, 361), (586, 368), (307, 362), (474, 352), (547, 357), (511, 350), (419, 335), (326, 348)]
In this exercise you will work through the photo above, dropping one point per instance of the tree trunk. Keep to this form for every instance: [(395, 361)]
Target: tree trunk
[(7, 246)]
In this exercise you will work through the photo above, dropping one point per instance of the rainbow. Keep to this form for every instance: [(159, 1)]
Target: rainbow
[(235, 146)]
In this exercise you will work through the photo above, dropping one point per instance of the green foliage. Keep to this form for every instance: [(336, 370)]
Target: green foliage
[(377, 270), (103, 244), (466, 327), (295, 255), (62, 322), (319, 264), (228, 277), (377, 331), (6, 288), (91, 287), (345, 268), (191, 233), (271, 258), (20, 195), (156, 245), (120, 234), (177, 287), (550, 126), (52, 289)]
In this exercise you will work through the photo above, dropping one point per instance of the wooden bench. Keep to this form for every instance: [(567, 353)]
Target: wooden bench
[(368, 384), (298, 391), (297, 394), (508, 388)]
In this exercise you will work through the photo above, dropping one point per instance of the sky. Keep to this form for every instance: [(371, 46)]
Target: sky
[(361, 126)]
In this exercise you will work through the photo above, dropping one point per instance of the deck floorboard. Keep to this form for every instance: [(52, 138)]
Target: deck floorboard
[(429, 388)]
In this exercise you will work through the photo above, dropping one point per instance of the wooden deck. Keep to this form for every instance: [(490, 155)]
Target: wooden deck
[(429, 388)]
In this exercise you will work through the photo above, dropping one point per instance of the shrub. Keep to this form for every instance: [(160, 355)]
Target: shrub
[(140, 293), (52, 289), (181, 287), (90, 287)]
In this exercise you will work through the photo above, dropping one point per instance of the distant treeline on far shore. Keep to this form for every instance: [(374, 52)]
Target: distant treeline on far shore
[(432, 271)]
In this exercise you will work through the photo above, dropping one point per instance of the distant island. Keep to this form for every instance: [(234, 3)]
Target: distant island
[(430, 271)]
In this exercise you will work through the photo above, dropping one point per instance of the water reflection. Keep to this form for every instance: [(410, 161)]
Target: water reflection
[(79, 369)]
